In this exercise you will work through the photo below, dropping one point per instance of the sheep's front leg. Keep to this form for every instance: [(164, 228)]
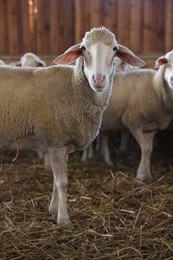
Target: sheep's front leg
[(145, 141), (58, 204)]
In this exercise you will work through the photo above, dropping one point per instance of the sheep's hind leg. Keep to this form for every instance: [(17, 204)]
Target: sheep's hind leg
[(58, 204), (145, 141), (105, 149), (85, 155), (88, 153)]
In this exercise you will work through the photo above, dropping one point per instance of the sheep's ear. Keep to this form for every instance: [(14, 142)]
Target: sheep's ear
[(128, 56), (160, 61), (69, 55)]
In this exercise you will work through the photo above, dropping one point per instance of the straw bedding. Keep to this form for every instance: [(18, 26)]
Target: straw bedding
[(113, 216)]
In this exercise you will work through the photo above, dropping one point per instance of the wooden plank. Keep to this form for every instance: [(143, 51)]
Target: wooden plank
[(12, 23), (123, 22), (69, 31), (43, 27), (149, 25), (159, 42), (3, 28), (19, 27), (82, 18), (154, 25), (110, 15), (33, 17), (26, 33), (97, 13), (136, 31), (65, 24), (169, 26), (54, 25)]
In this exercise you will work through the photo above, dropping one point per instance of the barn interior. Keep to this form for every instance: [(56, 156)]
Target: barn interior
[(113, 215)]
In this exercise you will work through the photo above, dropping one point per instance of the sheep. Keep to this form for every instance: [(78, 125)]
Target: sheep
[(141, 102), (30, 59), (62, 105), (103, 138), (121, 68)]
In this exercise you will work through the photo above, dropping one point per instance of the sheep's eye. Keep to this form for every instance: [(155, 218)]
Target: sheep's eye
[(83, 48), (115, 49)]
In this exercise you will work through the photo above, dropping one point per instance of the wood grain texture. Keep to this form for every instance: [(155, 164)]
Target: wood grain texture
[(50, 27)]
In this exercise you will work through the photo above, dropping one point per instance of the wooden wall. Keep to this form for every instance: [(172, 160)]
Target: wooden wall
[(49, 27)]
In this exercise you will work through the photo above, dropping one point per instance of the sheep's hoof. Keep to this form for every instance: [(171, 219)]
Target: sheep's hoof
[(63, 221), (146, 179)]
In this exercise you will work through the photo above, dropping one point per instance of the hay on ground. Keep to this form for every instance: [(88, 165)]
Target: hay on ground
[(113, 216)]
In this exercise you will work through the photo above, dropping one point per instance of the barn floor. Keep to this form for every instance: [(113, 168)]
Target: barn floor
[(113, 216)]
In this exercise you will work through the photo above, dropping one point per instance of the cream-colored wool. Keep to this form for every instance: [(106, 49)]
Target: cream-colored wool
[(141, 102), (138, 99), (42, 103)]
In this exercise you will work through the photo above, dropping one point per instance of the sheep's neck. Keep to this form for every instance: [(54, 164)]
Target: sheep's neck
[(89, 110)]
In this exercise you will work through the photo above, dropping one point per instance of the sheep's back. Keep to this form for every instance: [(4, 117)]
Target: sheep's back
[(133, 99)]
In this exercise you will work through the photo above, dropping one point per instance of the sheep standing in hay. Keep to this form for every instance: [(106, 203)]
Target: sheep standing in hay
[(142, 102), (62, 105)]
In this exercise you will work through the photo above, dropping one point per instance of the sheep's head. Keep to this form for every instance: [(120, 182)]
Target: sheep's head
[(29, 59), (167, 61), (98, 48)]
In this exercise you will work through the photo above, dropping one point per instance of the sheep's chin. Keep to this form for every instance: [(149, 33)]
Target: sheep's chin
[(98, 88)]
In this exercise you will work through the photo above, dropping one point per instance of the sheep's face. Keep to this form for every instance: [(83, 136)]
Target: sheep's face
[(99, 64), (98, 48), (169, 69)]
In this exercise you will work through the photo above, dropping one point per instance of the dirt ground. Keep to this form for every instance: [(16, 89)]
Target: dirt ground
[(113, 216)]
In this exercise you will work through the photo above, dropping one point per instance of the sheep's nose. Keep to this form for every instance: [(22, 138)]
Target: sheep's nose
[(99, 79), (171, 78)]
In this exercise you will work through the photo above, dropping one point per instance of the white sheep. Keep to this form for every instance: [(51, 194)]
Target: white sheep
[(102, 141), (30, 59), (62, 105), (121, 68), (142, 102)]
